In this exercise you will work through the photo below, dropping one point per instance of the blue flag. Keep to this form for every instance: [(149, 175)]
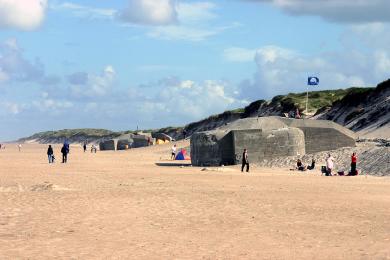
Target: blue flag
[(313, 81)]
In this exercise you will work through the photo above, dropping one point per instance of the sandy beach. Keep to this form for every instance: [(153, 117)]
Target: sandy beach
[(122, 205)]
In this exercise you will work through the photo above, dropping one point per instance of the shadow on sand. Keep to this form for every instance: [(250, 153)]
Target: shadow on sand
[(174, 164)]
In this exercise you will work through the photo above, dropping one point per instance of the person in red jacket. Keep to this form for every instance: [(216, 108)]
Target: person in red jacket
[(353, 164)]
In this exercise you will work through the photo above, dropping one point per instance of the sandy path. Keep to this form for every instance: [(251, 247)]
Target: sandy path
[(120, 205)]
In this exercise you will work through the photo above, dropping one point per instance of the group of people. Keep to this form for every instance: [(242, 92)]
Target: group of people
[(328, 169), (302, 167), (294, 114), (65, 149), (93, 148), (330, 165)]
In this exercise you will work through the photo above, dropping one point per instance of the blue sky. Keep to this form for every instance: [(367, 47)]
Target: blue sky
[(152, 63)]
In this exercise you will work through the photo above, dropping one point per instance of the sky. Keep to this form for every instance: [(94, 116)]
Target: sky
[(123, 64)]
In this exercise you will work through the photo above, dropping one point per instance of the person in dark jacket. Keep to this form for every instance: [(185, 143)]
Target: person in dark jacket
[(245, 161), (312, 166), (50, 154), (300, 166), (64, 151), (85, 146)]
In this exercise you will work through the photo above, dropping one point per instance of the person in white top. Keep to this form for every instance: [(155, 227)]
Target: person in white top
[(20, 147), (173, 155), (329, 164)]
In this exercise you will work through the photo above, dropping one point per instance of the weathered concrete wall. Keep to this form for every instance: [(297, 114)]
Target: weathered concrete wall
[(262, 145), (264, 123), (323, 135), (325, 139), (108, 145), (124, 144), (162, 136), (226, 147), (140, 141), (132, 141), (205, 149)]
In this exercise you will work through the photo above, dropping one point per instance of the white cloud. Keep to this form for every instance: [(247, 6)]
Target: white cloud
[(11, 108), (156, 67), (236, 54), (267, 54), (372, 35), (53, 106), (187, 99), (382, 63), (164, 19), (93, 85), (196, 12), (281, 70), (15, 67), (85, 11), (358, 11), (22, 14), (187, 33), (3, 76), (195, 22), (171, 100), (150, 12)]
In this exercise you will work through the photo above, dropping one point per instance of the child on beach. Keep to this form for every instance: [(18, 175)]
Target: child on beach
[(173, 154)]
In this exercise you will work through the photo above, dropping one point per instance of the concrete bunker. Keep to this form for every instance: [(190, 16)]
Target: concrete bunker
[(265, 138), (125, 142), (107, 145)]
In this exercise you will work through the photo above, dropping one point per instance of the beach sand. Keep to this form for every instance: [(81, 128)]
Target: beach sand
[(121, 205)]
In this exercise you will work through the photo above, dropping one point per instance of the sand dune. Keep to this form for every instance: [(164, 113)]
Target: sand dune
[(121, 205)]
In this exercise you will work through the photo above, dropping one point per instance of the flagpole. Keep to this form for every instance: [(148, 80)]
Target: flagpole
[(310, 83), (307, 98)]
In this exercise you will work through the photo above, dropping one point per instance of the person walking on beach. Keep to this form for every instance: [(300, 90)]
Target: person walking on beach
[(85, 147), (245, 161), (329, 164), (50, 154), (20, 147), (173, 154), (64, 151), (353, 164)]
